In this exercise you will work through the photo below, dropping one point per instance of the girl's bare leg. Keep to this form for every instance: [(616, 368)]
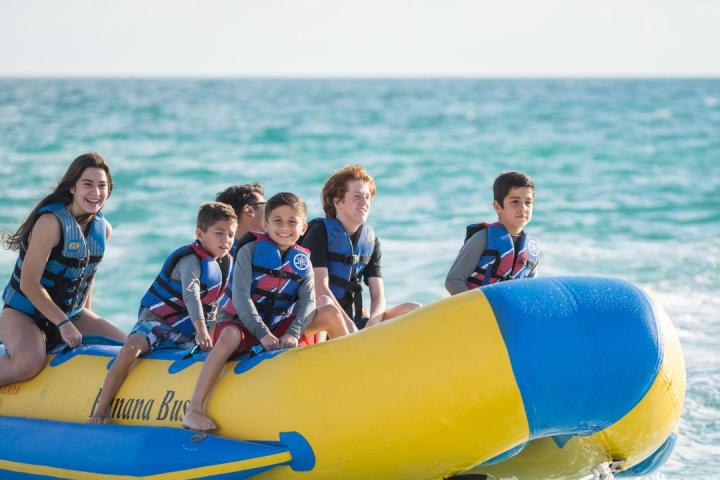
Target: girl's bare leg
[(24, 346)]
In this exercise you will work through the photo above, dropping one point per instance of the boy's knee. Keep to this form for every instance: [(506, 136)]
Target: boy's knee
[(330, 309), (135, 345), (230, 335), (323, 300), (126, 356), (407, 307)]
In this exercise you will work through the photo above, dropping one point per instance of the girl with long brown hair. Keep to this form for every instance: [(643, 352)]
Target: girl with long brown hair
[(60, 244)]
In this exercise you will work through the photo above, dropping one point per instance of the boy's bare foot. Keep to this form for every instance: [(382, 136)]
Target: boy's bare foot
[(96, 420), (196, 420)]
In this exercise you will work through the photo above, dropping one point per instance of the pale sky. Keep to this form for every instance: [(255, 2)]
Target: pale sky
[(359, 38)]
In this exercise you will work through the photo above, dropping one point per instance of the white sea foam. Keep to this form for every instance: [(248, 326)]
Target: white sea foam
[(663, 113)]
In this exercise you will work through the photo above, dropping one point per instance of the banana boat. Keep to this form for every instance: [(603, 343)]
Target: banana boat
[(537, 378)]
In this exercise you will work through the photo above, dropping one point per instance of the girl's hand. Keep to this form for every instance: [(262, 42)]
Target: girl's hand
[(70, 334)]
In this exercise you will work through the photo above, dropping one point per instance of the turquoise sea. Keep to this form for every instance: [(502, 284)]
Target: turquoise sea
[(627, 175)]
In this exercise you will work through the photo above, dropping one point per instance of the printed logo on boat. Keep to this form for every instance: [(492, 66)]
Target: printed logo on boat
[(301, 261), (533, 248)]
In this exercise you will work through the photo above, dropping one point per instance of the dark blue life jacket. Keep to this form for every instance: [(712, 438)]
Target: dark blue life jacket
[(164, 297), (501, 260), (346, 264), (276, 279), (70, 268)]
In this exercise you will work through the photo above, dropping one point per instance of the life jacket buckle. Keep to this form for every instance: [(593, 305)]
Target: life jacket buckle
[(278, 272)]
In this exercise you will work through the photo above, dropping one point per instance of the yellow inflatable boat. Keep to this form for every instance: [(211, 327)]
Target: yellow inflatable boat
[(541, 378)]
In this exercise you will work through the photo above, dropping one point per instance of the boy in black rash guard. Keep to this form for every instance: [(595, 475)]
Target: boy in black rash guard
[(345, 250), (499, 251)]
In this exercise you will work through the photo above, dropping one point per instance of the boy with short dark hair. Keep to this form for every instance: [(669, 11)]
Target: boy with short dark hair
[(248, 201), (273, 299), (181, 300), (502, 250)]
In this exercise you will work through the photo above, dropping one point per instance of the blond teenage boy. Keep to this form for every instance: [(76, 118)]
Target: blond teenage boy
[(346, 251)]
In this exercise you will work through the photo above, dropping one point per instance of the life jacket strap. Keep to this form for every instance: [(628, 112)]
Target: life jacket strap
[(264, 309), (77, 262), (273, 295), (493, 274), (351, 286), (348, 259), (475, 281), (167, 302), (167, 287), (278, 273), (352, 300)]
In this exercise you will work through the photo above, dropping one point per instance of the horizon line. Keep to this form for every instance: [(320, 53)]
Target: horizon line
[(181, 76)]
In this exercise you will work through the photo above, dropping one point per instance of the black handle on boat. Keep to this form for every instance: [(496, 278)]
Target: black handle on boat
[(192, 351)]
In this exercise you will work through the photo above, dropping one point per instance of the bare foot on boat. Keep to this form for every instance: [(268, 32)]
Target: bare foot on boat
[(96, 419), (196, 420)]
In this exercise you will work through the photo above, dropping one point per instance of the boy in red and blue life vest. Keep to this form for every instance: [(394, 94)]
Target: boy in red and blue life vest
[(272, 299), (499, 251), (182, 299)]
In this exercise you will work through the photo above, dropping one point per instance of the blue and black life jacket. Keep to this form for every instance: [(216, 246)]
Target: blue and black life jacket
[(164, 297), (69, 270), (502, 259), (346, 264), (276, 279)]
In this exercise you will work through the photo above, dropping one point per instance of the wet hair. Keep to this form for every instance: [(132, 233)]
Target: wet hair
[(507, 181), (61, 194), (337, 186), (212, 212), (285, 198), (238, 196)]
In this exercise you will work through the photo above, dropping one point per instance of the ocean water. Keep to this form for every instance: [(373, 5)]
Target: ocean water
[(627, 175)]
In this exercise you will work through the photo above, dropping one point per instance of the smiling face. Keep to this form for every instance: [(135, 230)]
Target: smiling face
[(516, 210), (218, 238), (90, 192), (284, 226), (353, 208)]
